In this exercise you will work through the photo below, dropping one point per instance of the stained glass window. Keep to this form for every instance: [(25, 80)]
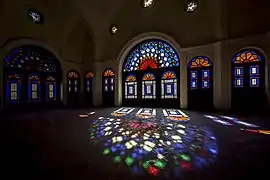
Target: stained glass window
[(191, 5), (109, 76), (200, 61), (31, 58), (151, 54), (33, 88), (254, 76), (88, 81), (35, 16), (149, 86), (193, 79), (50, 88), (206, 78), (169, 85), (238, 76), (73, 81), (246, 57), (131, 87), (13, 88)]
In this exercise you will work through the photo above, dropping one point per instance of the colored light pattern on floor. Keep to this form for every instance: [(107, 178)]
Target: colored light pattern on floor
[(221, 120), (175, 114), (266, 132), (122, 111), (146, 113), (161, 149), (237, 121), (86, 115), (217, 120)]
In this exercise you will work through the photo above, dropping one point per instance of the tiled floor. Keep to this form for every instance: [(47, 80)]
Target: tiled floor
[(61, 145)]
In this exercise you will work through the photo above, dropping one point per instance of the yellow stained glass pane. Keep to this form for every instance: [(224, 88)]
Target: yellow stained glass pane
[(34, 87), (50, 87), (243, 56), (201, 61), (50, 94), (34, 95), (249, 54)]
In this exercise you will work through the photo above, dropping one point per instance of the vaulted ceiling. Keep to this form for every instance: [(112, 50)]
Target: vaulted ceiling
[(79, 29)]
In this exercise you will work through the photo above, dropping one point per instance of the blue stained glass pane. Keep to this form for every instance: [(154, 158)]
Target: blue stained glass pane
[(205, 74), (13, 93), (254, 82), (132, 61), (167, 55), (169, 88), (238, 71), (238, 82), (254, 71), (193, 84), (193, 75), (151, 89), (205, 84)]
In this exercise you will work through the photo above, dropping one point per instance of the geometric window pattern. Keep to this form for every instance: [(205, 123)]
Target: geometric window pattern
[(151, 54), (31, 57), (88, 80), (50, 88), (131, 87), (200, 64), (148, 86), (246, 58), (73, 78), (169, 85), (109, 80), (13, 89), (33, 88)]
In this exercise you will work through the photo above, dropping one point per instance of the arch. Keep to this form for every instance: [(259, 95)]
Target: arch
[(11, 44), (200, 61), (34, 64), (200, 83), (249, 80), (74, 84), (131, 44), (108, 87), (169, 85), (108, 72), (88, 89)]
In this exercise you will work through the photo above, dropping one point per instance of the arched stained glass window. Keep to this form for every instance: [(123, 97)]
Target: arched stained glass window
[(31, 58), (149, 86), (199, 69), (151, 54), (34, 88), (246, 58), (168, 85), (201, 61), (13, 88), (50, 88), (131, 87), (88, 81), (73, 81), (108, 76)]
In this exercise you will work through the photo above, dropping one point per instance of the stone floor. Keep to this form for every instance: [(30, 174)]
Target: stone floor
[(61, 145)]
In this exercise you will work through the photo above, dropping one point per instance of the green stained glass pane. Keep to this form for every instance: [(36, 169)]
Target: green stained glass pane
[(129, 161), (160, 164), (117, 159), (106, 151)]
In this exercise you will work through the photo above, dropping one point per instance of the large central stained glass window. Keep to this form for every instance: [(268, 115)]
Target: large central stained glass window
[(151, 63)]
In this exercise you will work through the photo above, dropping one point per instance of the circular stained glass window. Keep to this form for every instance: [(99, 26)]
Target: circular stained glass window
[(114, 29), (35, 16), (147, 3), (191, 5)]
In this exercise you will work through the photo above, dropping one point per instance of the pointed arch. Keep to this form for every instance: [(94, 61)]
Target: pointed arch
[(108, 86)]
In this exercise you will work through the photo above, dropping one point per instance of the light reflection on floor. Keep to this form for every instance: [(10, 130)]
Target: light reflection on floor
[(161, 149)]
